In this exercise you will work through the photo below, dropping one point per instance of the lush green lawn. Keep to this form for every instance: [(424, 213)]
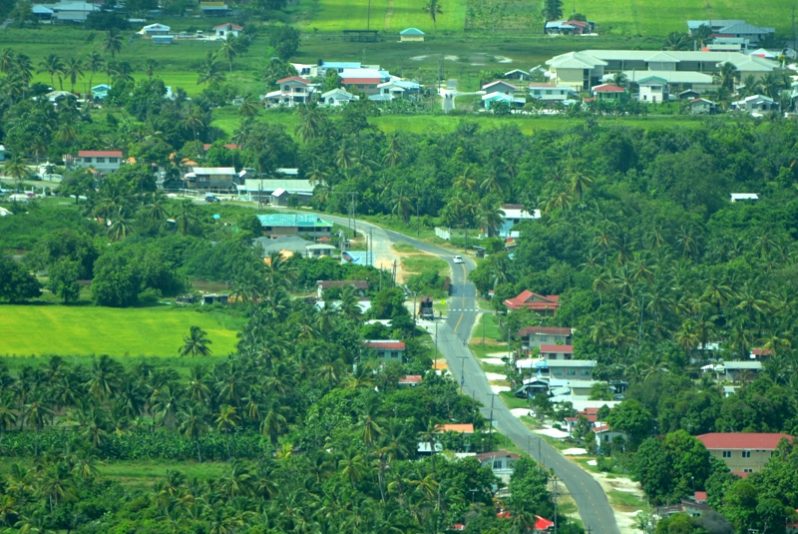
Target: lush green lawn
[(89, 330), (620, 17), (385, 15), (145, 473)]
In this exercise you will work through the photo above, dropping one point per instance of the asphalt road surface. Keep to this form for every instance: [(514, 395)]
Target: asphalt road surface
[(453, 335)]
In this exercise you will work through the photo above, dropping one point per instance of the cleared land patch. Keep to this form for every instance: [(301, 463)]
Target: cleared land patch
[(89, 330)]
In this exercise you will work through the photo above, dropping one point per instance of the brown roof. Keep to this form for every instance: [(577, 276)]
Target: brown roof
[(411, 379), (460, 428), (533, 301), (385, 344), (297, 79), (557, 349), (100, 153), (742, 440), (330, 284), (361, 81), (496, 454)]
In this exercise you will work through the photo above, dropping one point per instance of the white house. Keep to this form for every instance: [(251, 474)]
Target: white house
[(653, 90), (513, 214), (549, 92), (411, 35), (755, 104), (397, 89), (293, 91), (336, 98), (70, 11), (155, 29), (227, 30), (500, 86), (100, 160), (211, 178), (737, 197)]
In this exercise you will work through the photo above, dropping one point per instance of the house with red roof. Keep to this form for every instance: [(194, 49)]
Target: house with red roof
[(101, 160), (529, 300), (536, 336), (387, 349), (410, 380), (761, 353), (457, 428), (293, 91), (608, 92), (556, 352), (227, 30), (743, 452)]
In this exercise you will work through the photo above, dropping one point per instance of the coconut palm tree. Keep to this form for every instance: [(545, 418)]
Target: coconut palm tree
[(149, 67), (18, 170), (94, 63), (433, 9), (676, 41), (196, 343), (7, 60), (728, 75), (53, 66), (113, 42), (73, 69)]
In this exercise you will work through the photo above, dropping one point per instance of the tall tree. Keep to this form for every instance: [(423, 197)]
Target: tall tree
[(113, 42), (196, 343), (53, 66), (73, 69), (433, 9), (552, 9)]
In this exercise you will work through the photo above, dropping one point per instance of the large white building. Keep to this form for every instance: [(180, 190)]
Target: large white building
[(583, 69)]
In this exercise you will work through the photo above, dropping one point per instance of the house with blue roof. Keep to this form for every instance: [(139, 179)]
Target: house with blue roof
[(100, 91), (303, 224), (409, 35)]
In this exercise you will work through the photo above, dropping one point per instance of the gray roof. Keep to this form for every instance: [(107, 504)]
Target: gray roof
[(743, 365), (292, 186), (695, 24), (572, 363), (743, 28), (292, 243)]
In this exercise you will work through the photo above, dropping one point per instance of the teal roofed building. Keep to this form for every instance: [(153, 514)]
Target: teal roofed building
[(411, 35), (283, 224), (100, 92)]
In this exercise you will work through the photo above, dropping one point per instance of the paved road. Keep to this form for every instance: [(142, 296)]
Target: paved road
[(453, 336)]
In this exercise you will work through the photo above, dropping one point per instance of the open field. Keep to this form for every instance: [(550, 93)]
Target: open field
[(88, 330), (628, 17)]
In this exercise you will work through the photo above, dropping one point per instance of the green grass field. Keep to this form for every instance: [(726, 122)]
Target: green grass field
[(89, 330), (620, 17)]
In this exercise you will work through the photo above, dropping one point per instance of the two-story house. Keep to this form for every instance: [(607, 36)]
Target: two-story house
[(293, 91), (535, 336), (743, 452), (529, 300), (387, 349), (101, 160)]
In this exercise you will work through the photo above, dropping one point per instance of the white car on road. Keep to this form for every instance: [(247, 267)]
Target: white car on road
[(458, 259)]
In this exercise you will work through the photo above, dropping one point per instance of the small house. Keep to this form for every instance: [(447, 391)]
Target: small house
[(100, 91), (549, 92), (302, 224), (571, 369), (529, 300), (608, 92), (457, 428), (517, 74), (606, 436), (293, 91), (755, 104), (211, 178), (338, 97), (513, 214), (320, 250), (536, 336), (738, 197), (502, 463), (701, 106), (410, 381), (500, 86), (653, 90), (214, 9), (100, 160), (490, 100), (387, 349), (741, 371), (411, 35), (214, 298), (569, 27), (163, 39), (227, 30), (394, 89), (154, 29)]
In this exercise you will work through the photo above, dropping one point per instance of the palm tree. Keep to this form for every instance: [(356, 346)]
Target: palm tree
[(490, 217), (73, 70), (120, 71), (401, 204), (94, 63), (433, 9), (18, 170), (676, 41), (210, 71), (728, 76), (7, 60), (229, 51), (193, 426), (53, 66), (149, 67), (113, 42), (196, 343), (250, 107)]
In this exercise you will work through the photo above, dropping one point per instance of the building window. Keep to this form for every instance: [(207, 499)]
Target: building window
[(113, 160), (497, 464), (727, 454), (100, 160), (86, 160), (746, 454), (748, 470)]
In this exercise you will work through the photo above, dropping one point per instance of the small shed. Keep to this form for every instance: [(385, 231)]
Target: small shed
[(320, 250), (409, 35), (163, 39)]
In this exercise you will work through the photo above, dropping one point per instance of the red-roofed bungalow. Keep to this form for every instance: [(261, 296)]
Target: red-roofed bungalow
[(529, 300), (388, 349)]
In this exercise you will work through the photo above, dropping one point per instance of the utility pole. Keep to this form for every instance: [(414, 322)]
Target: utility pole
[(490, 431), (435, 364)]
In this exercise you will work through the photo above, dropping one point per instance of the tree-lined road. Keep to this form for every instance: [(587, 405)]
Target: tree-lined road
[(453, 335)]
